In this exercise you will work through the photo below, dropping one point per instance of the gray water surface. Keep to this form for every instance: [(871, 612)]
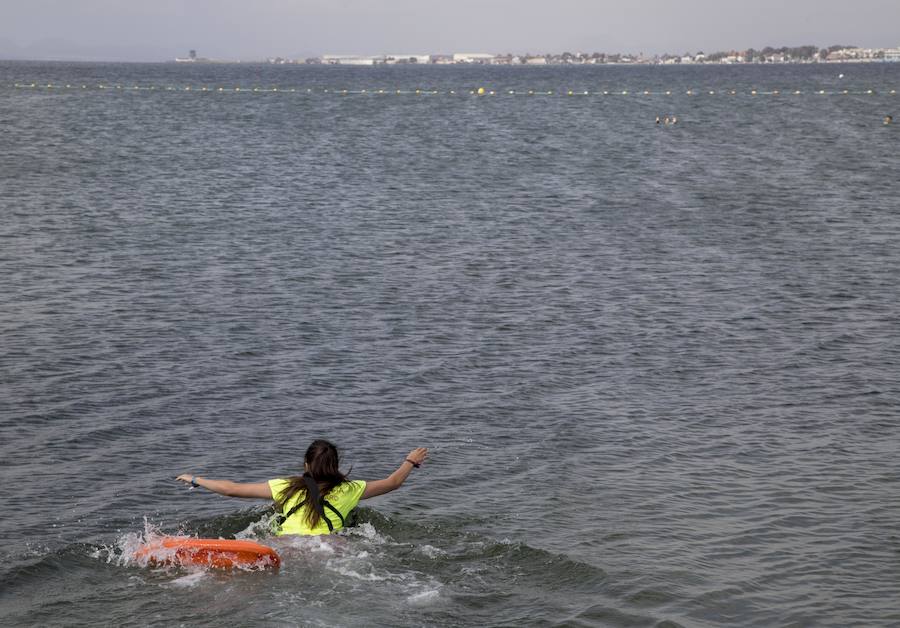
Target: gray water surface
[(656, 365)]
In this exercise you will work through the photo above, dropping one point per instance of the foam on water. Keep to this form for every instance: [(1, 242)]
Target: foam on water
[(259, 529), (122, 551), (190, 580), (430, 551), (358, 553), (424, 598)]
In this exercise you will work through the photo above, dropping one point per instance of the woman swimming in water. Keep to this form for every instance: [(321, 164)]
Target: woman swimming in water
[(318, 501)]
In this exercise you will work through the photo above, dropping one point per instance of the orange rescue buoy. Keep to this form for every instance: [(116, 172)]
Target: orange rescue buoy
[(215, 553)]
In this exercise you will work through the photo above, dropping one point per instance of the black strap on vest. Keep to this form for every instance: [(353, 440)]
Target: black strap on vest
[(319, 503), (328, 505)]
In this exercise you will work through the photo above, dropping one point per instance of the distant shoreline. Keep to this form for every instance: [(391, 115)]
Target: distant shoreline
[(785, 55), (404, 66)]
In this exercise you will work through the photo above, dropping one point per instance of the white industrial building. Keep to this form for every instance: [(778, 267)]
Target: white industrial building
[(348, 60), (472, 57)]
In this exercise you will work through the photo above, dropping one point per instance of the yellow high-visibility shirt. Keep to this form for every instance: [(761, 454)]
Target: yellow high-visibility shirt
[(344, 497)]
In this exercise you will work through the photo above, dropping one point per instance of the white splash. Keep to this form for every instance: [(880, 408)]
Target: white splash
[(431, 551), (190, 580), (424, 598), (346, 568), (122, 551), (366, 531), (257, 530)]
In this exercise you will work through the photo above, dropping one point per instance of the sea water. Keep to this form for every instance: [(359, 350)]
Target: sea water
[(655, 365)]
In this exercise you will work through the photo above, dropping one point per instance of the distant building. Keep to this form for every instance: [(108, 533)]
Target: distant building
[(348, 60), (536, 61), (504, 60), (472, 57), (892, 54), (856, 54), (393, 59)]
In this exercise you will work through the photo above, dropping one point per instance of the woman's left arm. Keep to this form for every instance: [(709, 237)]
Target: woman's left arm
[(398, 477), (257, 490)]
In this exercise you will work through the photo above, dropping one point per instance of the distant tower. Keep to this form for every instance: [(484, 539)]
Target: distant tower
[(193, 55)]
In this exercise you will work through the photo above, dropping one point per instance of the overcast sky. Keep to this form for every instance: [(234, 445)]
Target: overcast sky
[(158, 30)]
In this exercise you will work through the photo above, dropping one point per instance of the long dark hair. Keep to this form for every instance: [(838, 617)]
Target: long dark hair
[(321, 476)]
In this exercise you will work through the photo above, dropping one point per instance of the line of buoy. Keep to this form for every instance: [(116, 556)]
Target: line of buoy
[(480, 91)]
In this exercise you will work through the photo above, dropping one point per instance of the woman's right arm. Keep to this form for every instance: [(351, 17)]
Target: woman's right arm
[(259, 490), (395, 480)]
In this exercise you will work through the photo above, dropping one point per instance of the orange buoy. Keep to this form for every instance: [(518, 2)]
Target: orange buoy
[(215, 553)]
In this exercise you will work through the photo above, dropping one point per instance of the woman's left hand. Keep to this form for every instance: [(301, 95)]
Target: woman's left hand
[(418, 455)]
